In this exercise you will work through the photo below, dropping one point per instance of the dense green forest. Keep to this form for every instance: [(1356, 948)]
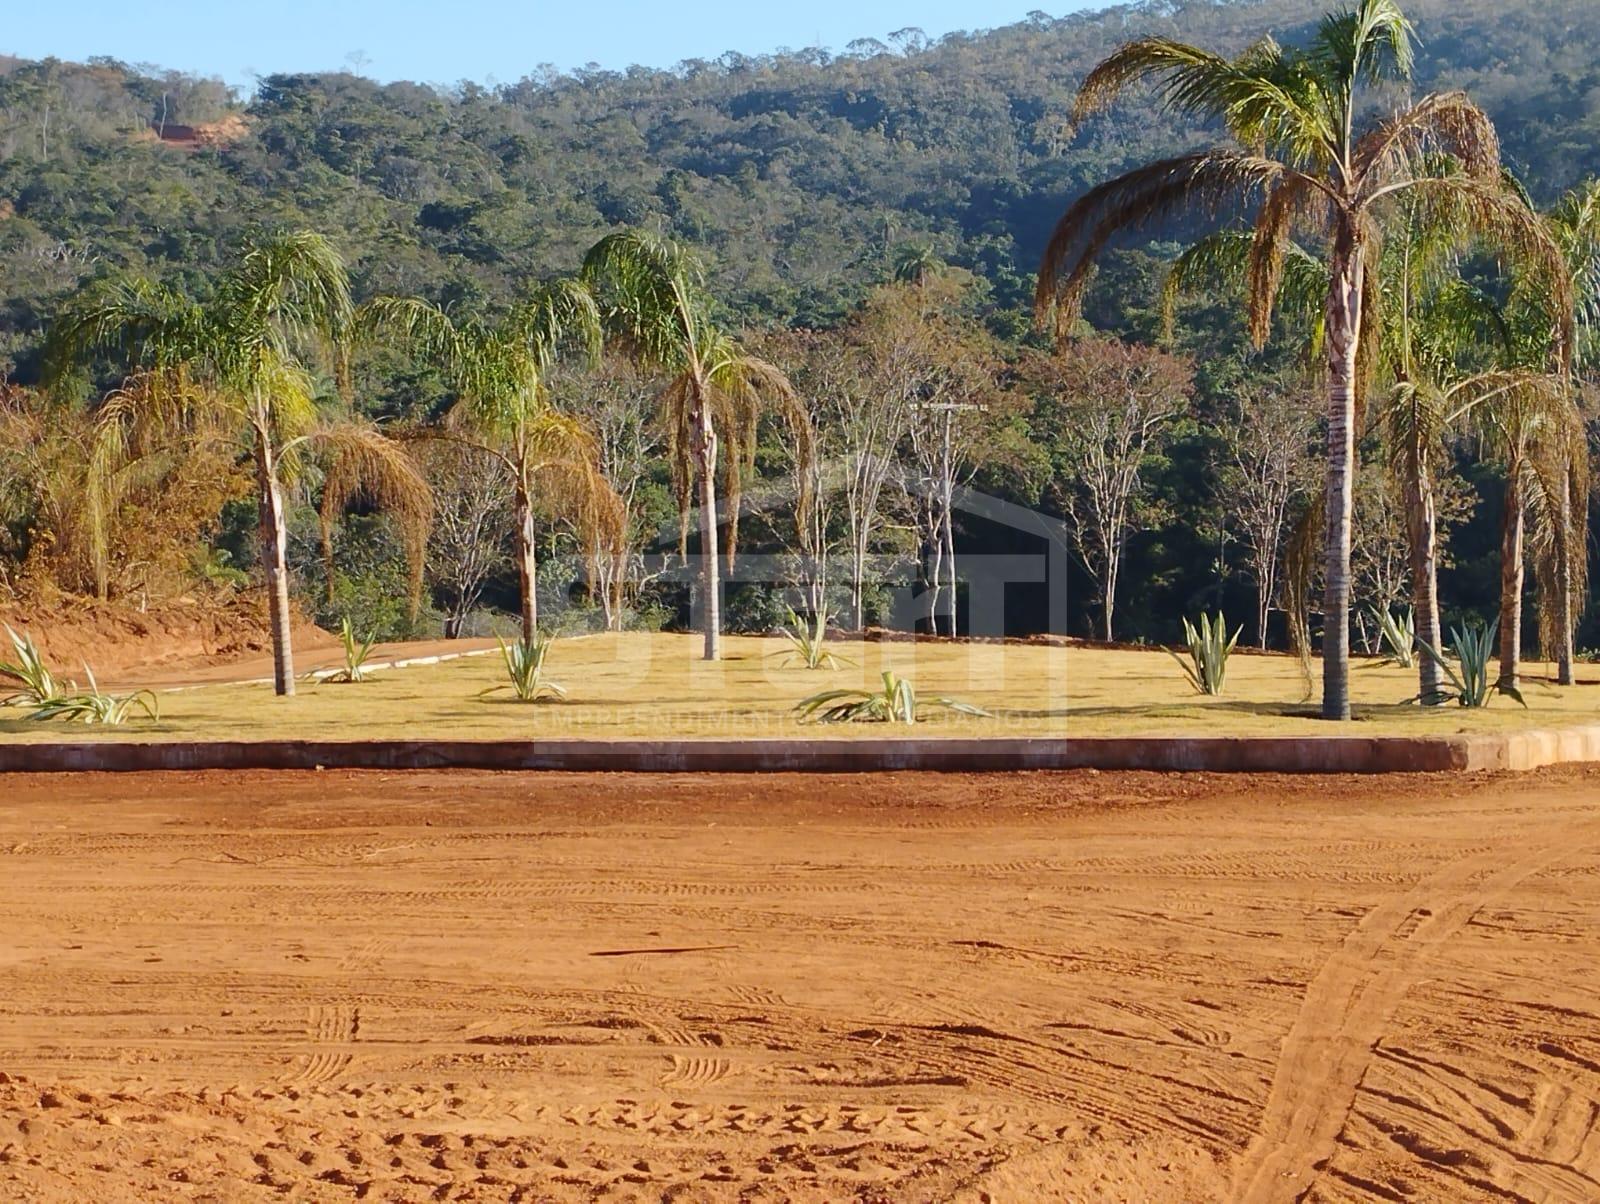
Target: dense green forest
[(807, 182)]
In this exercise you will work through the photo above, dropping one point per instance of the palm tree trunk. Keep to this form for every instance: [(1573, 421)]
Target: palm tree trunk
[(527, 566), (705, 453), (274, 535), (1342, 338), (1422, 524), (1511, 578), (1564, 551)]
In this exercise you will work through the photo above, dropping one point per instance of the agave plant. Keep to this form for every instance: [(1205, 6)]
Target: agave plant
[(356, 652), (38, 685), (1209, 646), (895, 702), (524, 662), (808, 643), (1473, 646), (1399, 633), (96, 706)]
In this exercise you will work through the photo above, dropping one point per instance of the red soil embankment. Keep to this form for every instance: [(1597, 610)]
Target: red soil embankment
[(179, 635)]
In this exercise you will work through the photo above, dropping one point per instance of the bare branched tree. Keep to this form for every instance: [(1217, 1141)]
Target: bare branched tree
[(1104, 409), (474, 501), (1267, 469)]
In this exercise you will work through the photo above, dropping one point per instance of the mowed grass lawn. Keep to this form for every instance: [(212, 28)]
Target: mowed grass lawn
[(643, 685)]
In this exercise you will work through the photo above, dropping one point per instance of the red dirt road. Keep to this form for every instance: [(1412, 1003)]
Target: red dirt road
[(456, 986)]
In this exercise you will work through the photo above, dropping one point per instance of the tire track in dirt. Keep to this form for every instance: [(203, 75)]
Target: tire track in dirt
[(330, 1027), (1347, 1007)]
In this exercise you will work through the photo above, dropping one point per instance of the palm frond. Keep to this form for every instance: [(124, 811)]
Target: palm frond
[(1555, 487), (147, 326), (138, 427), (1504, 221), (1262, 97), (1269, 250), (1219, 263), (362, 461), (558, 315), (1442, 123), (1204, 180), (424, 330), (1364, 43), (294, 281), (742, 388), (652, 298)]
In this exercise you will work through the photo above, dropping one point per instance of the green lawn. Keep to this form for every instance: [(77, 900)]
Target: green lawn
[(639, 685)]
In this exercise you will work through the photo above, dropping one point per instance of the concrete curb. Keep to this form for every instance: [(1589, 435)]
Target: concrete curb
[(322, 673), (1331, 754)]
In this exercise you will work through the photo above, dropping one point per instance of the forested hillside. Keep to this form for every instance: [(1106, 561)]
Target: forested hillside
[(798, 173), (805, 180)]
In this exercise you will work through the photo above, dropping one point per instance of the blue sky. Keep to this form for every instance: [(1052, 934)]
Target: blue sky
[(484, 40)]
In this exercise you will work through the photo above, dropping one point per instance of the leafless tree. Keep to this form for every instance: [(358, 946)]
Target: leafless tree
[(472, 527), (1105, 408), (1264, 472), (619, 403), (862, 385)]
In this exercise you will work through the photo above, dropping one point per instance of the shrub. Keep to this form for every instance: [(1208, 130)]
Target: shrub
[(356, 653), (895, 702), (95, 706), (1209, 647), (1399, 633), (524, 663), (37, 686), (1473, 647), (808, 643)]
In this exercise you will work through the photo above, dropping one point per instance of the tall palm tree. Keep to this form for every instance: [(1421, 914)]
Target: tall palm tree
[(1560, 486), (1433, 324), (654, 296), (499, 371), (248, 355), (1520, 423), (1445, 352), (1300, 160)]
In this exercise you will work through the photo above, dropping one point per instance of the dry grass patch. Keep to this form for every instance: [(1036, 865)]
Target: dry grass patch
[(655, 686)]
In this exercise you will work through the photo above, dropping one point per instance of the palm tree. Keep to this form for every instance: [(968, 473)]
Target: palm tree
[(1432, 322), (654, 295), (242, 357), (1560, 486), (1519, 424), (1431, 328), (504, 410), (914, 262), (1301, 160)]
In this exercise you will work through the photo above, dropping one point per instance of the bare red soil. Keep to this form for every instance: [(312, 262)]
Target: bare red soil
[(177, 638), (462, 986)]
